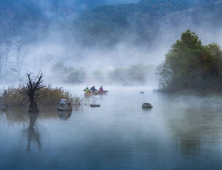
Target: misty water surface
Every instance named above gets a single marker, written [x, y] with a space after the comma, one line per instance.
[180, 132]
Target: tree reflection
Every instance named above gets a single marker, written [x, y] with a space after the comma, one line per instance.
[32, 133]
[194, 122]
[16, 117]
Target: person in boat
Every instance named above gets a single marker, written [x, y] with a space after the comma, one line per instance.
[93, 89]
[87, 90]
[101, 89]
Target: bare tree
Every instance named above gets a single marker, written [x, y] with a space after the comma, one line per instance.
[1, 58]
[43, 60]
[4, 50]
[60, 70]
[21, 52]
[32, 88]
[8, 47]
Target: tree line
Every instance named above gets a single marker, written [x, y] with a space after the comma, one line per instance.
[136, 74]
[68, 74]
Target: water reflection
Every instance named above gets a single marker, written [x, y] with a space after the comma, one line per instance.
[33, 132]
[195, 123]
[16, 116]
[118, 135]
[64, 115]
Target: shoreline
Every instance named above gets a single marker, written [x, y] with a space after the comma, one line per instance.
[190, 92]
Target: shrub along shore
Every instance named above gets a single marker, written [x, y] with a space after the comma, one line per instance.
[13, 98]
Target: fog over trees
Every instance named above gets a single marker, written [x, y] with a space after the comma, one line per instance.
[40, 35]
[12, 58]
[91, 21]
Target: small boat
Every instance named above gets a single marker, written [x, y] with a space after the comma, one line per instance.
[95, 93]
[87, 94]
[100, 92]
[103, 92]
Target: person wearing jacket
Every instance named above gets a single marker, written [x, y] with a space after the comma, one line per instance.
[87, 90]
[93, 89]
[101, 88]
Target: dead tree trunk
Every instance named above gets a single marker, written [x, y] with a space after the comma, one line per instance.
[32, 90]
[32, 104]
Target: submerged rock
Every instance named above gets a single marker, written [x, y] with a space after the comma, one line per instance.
[147, 105]
[95, 105]
[64, 105]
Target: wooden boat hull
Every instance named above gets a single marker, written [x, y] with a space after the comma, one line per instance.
[100, 93]
[87, 94]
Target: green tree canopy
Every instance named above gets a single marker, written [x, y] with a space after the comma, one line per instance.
[191, 65]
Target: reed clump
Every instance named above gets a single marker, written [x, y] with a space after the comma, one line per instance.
[12, 97]
[54, 95]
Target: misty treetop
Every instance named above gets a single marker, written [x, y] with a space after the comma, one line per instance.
[98, 75]
[12, 58]
[133, 75]
[68, 74]
[189, 65]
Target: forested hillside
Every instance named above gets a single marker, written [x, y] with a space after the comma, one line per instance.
[138, 23]
[91, 24]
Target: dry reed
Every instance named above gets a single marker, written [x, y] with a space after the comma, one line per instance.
[13, 98]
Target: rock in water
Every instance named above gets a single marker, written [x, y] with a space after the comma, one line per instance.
[94, 105]
[64, 105]
[147, 105]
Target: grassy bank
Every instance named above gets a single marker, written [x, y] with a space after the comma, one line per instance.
[13, 98]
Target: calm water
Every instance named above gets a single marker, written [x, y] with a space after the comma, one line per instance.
[180, 132]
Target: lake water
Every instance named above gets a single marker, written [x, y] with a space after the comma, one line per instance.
[180, 132]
